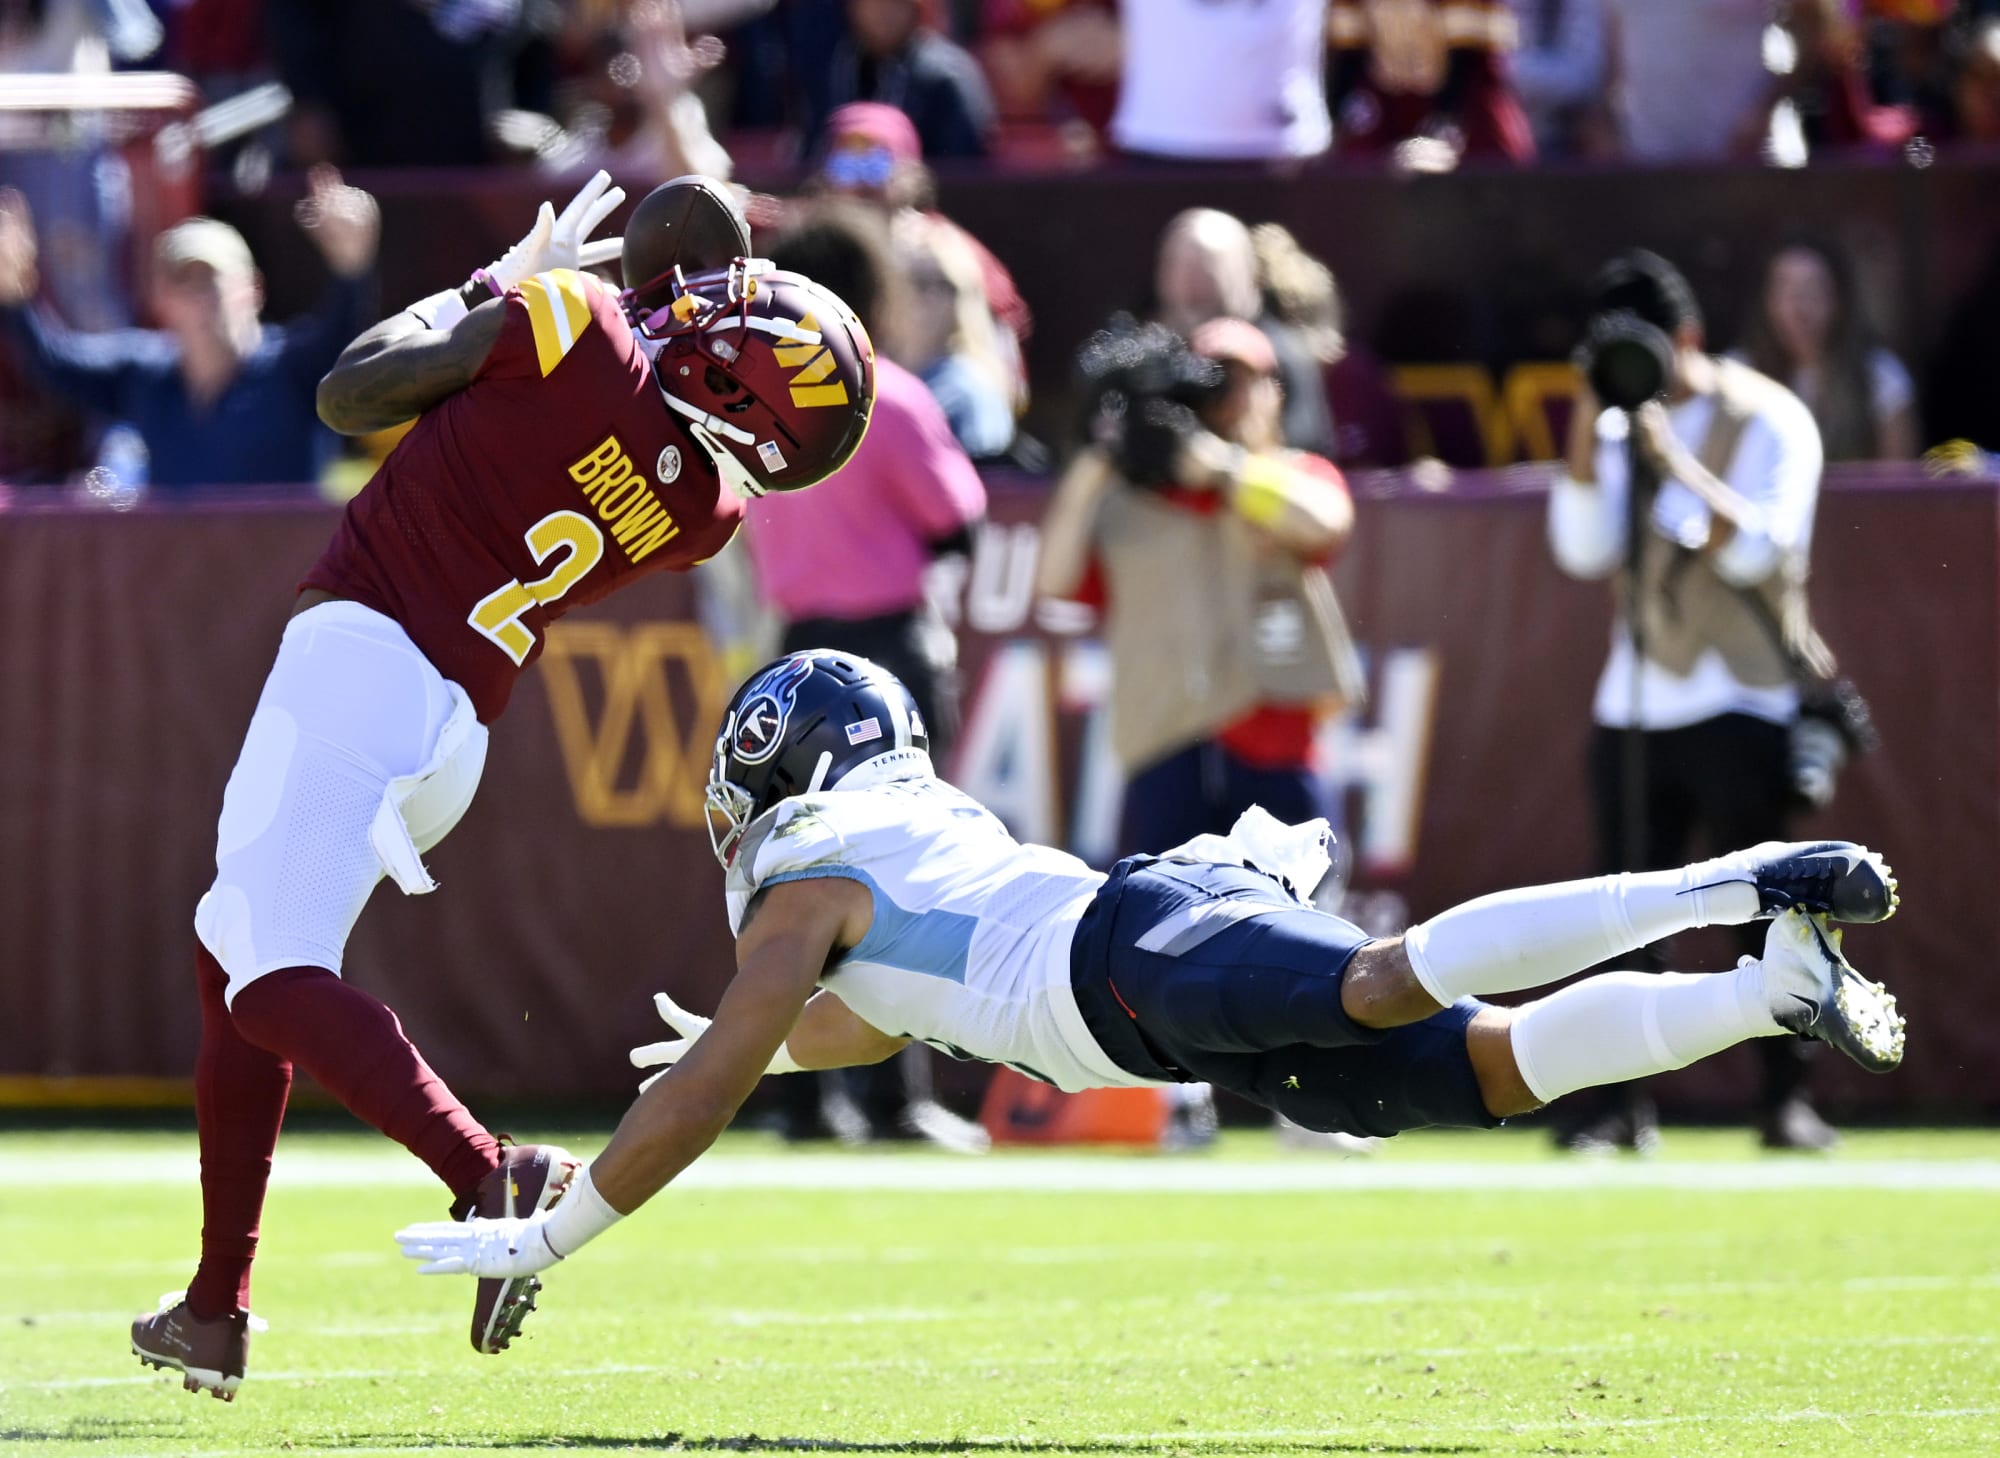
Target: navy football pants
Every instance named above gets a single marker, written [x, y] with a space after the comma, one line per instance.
[1207, 973]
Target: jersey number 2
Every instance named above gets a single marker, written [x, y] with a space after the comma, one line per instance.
[498, 614]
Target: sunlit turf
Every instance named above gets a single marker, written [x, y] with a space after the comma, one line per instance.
[1602, 1319]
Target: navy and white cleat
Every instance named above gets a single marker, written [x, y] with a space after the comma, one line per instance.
[1816, 992]
[1831, 878]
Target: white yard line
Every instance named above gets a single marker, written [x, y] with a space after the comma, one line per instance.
[1102, 1174]
[1380, 1355]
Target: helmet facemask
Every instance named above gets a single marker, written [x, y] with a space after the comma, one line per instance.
[730, 807]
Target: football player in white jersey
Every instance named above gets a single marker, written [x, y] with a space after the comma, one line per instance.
[874, 904]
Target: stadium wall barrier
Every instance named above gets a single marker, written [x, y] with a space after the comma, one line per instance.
[581, 880]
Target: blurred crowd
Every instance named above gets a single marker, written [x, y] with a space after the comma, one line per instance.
[863, 98]
[377, 83]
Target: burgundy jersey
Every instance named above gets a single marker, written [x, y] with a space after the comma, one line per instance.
[557, 476]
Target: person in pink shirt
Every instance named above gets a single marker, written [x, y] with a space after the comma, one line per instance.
[844, 569]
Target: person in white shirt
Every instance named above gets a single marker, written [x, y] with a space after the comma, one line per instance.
[1688, 79]
[873, 905]
[1223, 82]
[1709, 692]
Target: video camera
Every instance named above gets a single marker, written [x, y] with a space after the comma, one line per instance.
[1141, 385]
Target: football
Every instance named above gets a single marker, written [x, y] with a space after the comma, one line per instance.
[691, 223]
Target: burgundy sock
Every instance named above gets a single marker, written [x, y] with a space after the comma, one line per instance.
[239, 1102]
[354, 1046]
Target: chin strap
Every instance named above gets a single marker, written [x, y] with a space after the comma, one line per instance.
[705, 428]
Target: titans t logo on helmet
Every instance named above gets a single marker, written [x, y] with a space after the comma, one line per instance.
[759, 729]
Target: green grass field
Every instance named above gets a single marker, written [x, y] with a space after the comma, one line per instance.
[1455, 1294]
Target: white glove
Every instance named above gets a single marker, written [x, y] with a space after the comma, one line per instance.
[484, 1248]
[690, 1026]
[563, 242]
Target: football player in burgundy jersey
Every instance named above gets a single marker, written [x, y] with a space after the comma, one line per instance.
[568, 439]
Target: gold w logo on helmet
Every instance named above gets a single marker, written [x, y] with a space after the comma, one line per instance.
[814, 362]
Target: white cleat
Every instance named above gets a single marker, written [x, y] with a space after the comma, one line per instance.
[1816, 992]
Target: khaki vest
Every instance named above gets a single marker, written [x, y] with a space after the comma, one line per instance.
[1685, 607]
[1208, 620]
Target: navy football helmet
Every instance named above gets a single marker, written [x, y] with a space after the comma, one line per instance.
[801, 724]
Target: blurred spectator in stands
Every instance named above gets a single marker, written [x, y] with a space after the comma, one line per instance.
[1912, 52]
[391, 83]
[1053, 60]
[632, 107]
[844, 566]
[893, 55]
[1558, 70]
[1302, 298]
[1976, 87]
[1207, 269]
[1689, 82]
[217, 397]
[949, 337]
[1822, 98]
[71, 171]
[1205, 81]
[218, 43]
[779, 65]
[872, 155]
[1811, 332]
[76, 35]
[1961, 397]
[1425, 81]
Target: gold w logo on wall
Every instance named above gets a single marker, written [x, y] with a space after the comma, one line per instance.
[814, 363]
[635, 712]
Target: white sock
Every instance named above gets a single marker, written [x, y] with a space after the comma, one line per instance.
[1542, 934]
[1624, 1025]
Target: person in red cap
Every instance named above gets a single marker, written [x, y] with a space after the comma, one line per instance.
[872, 154]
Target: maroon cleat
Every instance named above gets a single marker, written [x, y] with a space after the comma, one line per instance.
[209, 1354]
[530, 1177]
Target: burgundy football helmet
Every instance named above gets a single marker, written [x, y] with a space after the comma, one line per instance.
[774, 375]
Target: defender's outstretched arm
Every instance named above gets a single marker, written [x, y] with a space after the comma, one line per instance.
[781, 951]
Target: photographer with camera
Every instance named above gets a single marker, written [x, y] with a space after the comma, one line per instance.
[1692, 482]
[1206, 542]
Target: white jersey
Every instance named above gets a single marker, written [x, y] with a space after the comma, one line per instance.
[1234, 81]
[969, 950]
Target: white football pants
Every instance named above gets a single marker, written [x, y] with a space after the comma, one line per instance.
[360, 757]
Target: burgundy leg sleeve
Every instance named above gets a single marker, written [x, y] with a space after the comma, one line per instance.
[239, 1102]
[355, 1048]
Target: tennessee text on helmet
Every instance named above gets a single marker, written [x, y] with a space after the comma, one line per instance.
[774, 375]
[804, 723]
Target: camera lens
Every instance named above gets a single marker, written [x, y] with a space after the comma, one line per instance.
[1627, 360]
